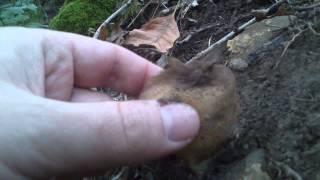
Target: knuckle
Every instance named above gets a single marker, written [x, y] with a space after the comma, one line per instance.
[140, 128]
[133, 128]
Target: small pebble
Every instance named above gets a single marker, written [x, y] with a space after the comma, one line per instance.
[238, 64]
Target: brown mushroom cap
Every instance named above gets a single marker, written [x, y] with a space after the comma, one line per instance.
[211, 91]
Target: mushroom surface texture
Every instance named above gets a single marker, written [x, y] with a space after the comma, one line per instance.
[211, 90]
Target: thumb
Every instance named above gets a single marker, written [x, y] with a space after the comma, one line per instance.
[96, 136]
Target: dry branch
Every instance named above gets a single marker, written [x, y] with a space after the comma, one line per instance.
[233, 33]
[289, 171]
[224, 39]
[141, 11]
[313, 30]
[190, 36]
[110, 18]
[304, 8]
[291, 41]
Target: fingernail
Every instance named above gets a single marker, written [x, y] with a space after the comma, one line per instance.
[181, 121]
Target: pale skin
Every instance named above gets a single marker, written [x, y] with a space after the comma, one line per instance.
[52, 125]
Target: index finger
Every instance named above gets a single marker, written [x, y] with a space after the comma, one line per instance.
[102, 64]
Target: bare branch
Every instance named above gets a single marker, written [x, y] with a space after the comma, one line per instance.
[110, 18]
[222, 40]
[289, 171]
[288, 45]
[232, 33]
[313, 30]
[304, 8]
[135, 18]
[187, 38]
[292, 41]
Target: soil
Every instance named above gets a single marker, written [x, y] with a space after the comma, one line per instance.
[280, 99]
[223, 16]
[281, 106]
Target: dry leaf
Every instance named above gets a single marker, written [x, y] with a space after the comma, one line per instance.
[160, 32]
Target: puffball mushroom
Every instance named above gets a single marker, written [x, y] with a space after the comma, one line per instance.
[210, 89]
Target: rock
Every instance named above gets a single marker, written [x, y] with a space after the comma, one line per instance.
[238, 64]
[256, 37]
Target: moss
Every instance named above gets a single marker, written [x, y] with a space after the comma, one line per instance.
[79, 15]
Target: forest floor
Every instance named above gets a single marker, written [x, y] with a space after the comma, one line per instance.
[280, 102]
[279, 124]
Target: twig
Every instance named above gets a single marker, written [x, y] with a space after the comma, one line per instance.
[135, 18]
[195, 32]
[110, 18]
[289, 171]
[184, 12]
[210, 39]
[288, 45]
[291, 41]
[168, 10]
[305, 100]
[232, 33]
[304, 8]
[222, 40]
[313, 30]
[120, 173]
[179, 4]
[269, 12]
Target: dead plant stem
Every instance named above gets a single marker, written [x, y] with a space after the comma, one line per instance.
[231, 34]
[110, 18]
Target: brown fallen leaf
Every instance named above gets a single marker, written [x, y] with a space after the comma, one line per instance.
[160, 32]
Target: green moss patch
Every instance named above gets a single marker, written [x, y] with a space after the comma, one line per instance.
[78, 16]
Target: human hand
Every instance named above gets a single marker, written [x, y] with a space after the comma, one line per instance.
[51, 125]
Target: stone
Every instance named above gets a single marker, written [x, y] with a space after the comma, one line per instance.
[238, 64]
